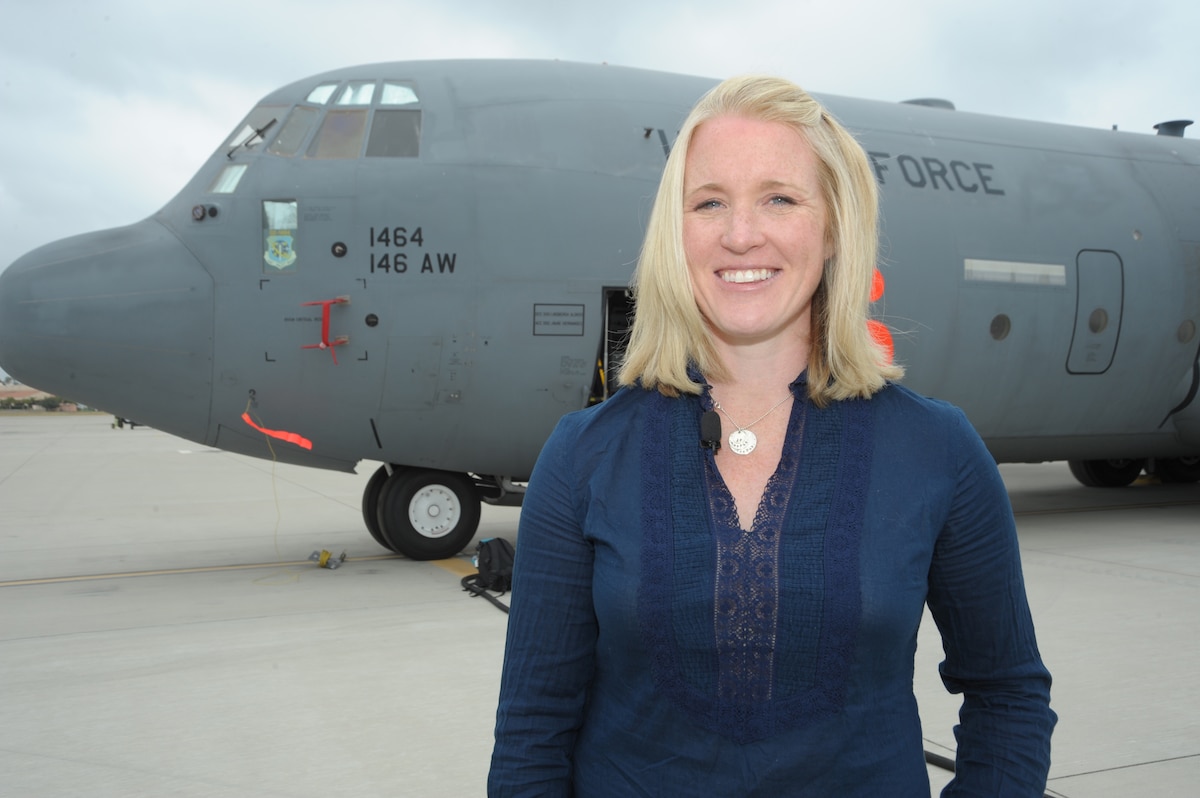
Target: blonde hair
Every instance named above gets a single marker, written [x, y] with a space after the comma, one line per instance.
[669, 332]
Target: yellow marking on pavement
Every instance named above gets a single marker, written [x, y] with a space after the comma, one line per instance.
[457, 566]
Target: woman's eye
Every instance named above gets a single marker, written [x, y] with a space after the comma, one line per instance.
[778, 200]
[708, 205]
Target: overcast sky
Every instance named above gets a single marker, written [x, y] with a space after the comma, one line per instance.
[108, 106]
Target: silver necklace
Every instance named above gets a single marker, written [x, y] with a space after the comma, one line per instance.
[742, 440]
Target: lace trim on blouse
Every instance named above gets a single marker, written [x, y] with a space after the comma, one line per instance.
[747, 578]
[752, 632]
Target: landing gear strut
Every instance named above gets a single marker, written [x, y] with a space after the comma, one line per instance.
[1178, 469]
[421, 513]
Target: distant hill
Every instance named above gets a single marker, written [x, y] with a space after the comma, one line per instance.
[18, 391]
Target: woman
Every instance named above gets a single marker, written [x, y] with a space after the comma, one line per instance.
[742, 620]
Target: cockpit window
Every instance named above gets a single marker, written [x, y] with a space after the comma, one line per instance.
[340, 136]
[386, 114]
[294, 131]
[357, 92]
[280, 222]
[395, 134]
[321, 94]
[227, 181]
[256, 127]
[397, 94]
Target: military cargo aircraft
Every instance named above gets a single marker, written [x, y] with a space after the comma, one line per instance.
[426, 264]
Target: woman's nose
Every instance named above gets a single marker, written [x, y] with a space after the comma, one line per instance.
[743, 230]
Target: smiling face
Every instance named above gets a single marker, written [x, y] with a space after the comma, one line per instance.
[754, 230]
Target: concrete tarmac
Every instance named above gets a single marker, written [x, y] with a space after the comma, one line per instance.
[162, 631]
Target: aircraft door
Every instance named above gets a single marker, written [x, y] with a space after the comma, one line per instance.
[618, 317]
[1099, 301]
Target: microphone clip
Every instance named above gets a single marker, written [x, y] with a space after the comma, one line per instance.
[710, 431]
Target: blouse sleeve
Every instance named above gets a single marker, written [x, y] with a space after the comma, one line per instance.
[977, 597]
[549, 654]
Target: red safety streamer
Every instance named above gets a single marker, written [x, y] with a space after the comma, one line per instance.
[290, 437]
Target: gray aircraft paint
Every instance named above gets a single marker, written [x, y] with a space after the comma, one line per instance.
[1044, 278]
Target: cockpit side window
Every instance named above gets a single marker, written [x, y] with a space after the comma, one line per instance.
[258, 126]
[227, 181]
[395, 134]
[280, 222]
[294, 131]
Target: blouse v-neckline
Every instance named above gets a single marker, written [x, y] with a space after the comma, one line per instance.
[753, 632]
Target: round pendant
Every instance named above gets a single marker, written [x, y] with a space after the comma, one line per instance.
[742, 441]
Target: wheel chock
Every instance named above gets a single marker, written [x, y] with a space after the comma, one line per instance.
[325, 559]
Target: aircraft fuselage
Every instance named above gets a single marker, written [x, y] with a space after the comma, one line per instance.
[424, 264]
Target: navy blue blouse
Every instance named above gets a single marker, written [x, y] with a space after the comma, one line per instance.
[656, 648]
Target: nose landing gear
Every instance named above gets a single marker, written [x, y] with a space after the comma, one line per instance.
[423, 514]
[1119, 473]
[1106, 473]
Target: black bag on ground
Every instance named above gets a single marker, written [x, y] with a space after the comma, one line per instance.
[494, 559]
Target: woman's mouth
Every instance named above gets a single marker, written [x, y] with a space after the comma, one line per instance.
[747, 275]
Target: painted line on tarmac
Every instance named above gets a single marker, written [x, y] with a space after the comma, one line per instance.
[1162, 505]
[53, 580]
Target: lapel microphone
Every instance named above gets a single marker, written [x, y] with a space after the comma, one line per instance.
[710, 431]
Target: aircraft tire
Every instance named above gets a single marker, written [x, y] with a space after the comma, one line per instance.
[370, 504]
[1106, 473]
[428, 515]
[1179, 469]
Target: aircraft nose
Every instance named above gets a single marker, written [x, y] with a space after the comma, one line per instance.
[119, 320]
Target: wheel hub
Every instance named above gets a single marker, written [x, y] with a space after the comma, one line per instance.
[434, 511]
